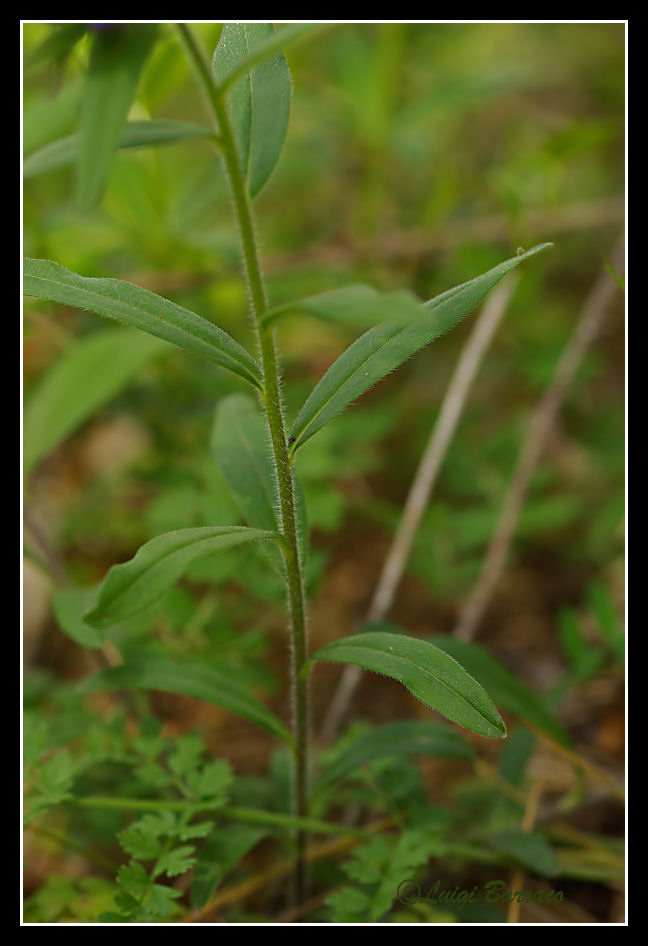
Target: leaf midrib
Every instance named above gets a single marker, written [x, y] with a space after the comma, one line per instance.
[129, 584]
[427, 671]
[93, 293]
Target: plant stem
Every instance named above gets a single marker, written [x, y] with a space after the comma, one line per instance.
[272, 819]
[272, 404]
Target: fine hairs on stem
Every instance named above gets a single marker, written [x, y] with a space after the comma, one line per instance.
[271, 399]
[185, 811]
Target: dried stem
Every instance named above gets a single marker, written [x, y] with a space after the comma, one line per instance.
[540, 426]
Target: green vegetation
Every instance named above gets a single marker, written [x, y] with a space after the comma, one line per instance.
[276, 217]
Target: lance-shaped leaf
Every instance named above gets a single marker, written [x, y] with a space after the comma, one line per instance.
[258, 101]
[430, 674]
[190, 679]
[270, 45]
[142, 309]
[132, 587]
[92, 371]
[135, 134]
[410, 737]
[116, 61]
[357, 304]
[507, 690]
[241, 447]
[386, 346]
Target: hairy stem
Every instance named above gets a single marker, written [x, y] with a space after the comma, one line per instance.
[273, 407]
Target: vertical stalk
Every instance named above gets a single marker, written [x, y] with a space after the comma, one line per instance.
[272, 403]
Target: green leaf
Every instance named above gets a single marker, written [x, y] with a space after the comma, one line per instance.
[133, 879]
[357, 304]
[386, 346]
[430, 674]
[176, 862]
[527, 848]
[412, 849]
[70, 605]
[606, 612]
[136, 134]
[139, 844]
[241, 447]
[505, 689]
[187, 754]
[258, 101]
[116, 61]
[348, 905]
[583, 658]
[159, 901]
[132, 587]
[58, 45]
[190, 679]
[141, 309]
[219, 855]
[274, 42]
[211, 781]
[406, 737]
[84, 378]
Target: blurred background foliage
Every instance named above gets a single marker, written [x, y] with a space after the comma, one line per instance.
[418, 155]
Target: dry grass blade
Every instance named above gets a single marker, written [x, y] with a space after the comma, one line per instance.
[541, 424]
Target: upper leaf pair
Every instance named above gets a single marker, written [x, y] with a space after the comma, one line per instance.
[249, 67]
[404, 328]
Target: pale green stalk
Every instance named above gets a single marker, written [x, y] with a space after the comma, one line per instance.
[272, 403]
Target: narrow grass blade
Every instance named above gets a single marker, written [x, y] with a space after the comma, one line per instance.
[429, 673]
[142, 309]
[258, 100]
[85, 377]
[386, 346]
[132, 587]
[136, 134]
[508, 691]
[116, 61]
[190, 679]
[402, 738]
